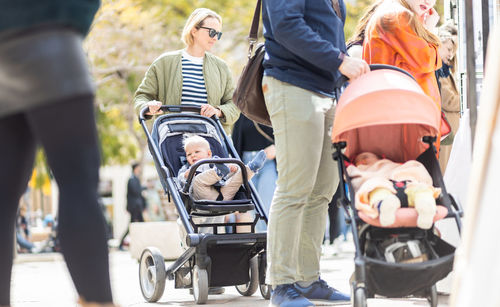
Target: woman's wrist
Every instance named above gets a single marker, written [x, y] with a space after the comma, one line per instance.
[220, 113]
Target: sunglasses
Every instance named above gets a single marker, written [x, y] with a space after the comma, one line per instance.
[212, 32]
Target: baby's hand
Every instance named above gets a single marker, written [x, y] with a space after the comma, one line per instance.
[186, 174]
[233, 168]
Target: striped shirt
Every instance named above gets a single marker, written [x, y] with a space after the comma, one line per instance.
[193, 82]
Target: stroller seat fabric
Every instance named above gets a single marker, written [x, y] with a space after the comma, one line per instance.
[170, 135]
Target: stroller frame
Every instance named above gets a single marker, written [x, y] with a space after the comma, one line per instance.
[361, 282]
[196, 261]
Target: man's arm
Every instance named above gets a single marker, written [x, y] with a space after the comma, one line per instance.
[290, 30]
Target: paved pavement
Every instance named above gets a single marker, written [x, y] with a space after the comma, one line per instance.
[43, 280]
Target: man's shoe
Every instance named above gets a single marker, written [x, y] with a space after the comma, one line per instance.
[287, 296]
[320, 291]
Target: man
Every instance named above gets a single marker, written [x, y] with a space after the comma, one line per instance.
[305, 55]
[136, 203]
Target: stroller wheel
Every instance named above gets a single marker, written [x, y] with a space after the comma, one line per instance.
[265, 291]
[432, 296]
[200, 285]
[152, 274]
[251, 287]
[359, 297]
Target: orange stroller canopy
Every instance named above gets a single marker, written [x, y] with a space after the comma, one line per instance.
[385, 112]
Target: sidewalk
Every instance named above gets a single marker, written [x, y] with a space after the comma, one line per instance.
[43, 281]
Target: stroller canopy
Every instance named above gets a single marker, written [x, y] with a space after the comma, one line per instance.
[385, 112]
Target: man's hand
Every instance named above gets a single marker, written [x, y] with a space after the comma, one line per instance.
[352, 68]
[270, 152]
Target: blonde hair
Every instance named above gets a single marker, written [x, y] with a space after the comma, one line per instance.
[358, 36]
[196, 20]
[448, 32]
[195, 140]
[387, 24]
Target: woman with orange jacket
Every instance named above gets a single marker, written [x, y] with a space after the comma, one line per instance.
[400, 34]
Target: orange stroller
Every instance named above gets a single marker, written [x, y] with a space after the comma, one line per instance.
[386, 112]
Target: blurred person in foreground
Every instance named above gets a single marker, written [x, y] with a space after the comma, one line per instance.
[46, 100]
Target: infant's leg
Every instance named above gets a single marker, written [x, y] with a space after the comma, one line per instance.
[234, 183]
[422, 198]
[387, 204]
[203, 185]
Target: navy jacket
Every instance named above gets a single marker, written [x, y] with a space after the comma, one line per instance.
[305, 43]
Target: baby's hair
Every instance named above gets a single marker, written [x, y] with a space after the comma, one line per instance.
[195, 140]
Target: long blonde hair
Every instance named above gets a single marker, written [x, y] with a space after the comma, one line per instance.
[416, 25]
[358, 36]
[448, 32]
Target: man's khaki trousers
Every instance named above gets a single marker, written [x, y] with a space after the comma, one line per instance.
[307, 178]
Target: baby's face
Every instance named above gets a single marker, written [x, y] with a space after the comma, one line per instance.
[365, 158]
[196, 152]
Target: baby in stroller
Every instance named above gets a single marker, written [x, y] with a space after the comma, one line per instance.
[212, 178]
[378, 183]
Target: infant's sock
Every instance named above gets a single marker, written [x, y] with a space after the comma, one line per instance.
[387, 209]
[257, 162]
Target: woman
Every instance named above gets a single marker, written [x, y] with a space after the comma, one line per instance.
[249, 138]
[400, 34]
[449, 92]
[47, 100]
[192, 75]
[355, 43]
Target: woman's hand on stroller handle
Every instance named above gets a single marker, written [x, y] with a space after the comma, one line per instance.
[209, 111]
[154, 107]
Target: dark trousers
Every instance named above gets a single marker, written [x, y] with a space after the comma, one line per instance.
[333, 211]
[67, 133]
[135, 216]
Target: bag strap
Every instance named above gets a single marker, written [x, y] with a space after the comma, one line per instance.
[336, 8]
[264, 134]
[254, 28]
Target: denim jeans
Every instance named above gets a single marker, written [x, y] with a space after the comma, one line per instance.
[265, 183]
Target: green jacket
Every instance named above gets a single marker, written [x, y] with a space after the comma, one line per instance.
[163, 82]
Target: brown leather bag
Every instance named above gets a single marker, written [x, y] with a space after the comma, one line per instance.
[248, 95]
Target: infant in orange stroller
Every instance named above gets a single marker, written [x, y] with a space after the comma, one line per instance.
[383, 186]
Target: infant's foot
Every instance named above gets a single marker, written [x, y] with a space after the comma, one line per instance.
[257, 162]
[425, 204]
[387, 209]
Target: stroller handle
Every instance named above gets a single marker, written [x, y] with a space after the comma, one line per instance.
[343, 79]
[170, 109]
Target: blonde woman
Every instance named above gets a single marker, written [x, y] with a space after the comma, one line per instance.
[449, 92]
[192, 75]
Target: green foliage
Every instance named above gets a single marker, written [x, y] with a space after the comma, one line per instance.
[354, 13]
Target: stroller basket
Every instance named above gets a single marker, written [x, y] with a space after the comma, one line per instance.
[403, 279]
